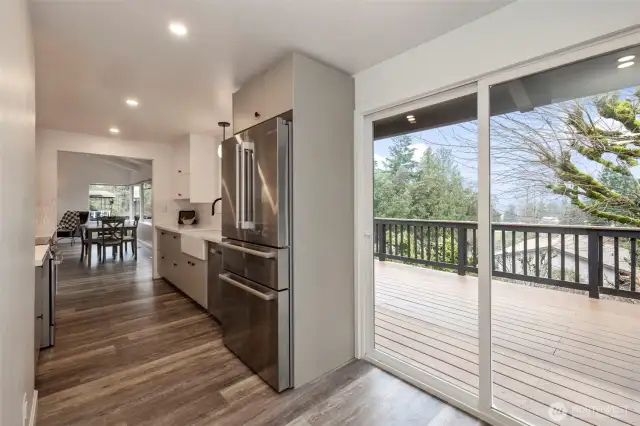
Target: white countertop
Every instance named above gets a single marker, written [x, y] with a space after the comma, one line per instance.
[196, 231]
[40, 253]
[211, 235]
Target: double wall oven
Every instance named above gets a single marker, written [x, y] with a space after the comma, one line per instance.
[255, 283]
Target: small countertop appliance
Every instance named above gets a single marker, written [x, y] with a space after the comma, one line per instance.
[187, 217]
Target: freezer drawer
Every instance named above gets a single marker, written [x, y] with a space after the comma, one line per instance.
[214, 298]
[264, 265]
[255, 324]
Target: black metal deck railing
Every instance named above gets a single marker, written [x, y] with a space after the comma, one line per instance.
[590, 258]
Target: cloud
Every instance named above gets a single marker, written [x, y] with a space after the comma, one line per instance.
[420, 148]
[609, 124]
[380, 159]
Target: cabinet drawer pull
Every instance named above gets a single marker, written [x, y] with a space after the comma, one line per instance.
[256, 114]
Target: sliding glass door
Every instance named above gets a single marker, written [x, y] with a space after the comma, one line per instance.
[497, 240]
[565, 145]
[424, 310]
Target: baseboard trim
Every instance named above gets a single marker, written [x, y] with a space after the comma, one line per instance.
[34, 409]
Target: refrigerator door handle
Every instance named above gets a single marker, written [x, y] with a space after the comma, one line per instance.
[239, 186]
[248, 207]
[263, 296]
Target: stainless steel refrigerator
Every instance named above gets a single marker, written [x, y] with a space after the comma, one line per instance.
[255, 284]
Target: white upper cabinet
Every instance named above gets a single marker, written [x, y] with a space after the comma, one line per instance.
[181, 186]
[248, 104]
[264, 96]
[204, 179]
[196, 169]
[278, 89]
[181, 157]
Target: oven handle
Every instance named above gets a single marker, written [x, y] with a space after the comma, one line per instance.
[246, 288]
[264, 255]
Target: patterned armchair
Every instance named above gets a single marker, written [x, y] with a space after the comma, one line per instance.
[68, 225]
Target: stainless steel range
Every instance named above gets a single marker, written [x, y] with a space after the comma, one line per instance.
[47, 284]
[255, 284]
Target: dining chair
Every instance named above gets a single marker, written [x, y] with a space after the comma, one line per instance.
[130, 237]
[112, 231]
[85, 243]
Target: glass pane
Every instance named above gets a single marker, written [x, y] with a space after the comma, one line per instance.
[565, 146]
[147, 207]
[425, 207]
[109, 200]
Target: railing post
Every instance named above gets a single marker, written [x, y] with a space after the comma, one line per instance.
[593, 258]
[382, 239]
[462, 250]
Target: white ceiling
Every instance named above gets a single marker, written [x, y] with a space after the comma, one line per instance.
[92, 54]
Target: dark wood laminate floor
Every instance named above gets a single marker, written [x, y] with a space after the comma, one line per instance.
[134, 351]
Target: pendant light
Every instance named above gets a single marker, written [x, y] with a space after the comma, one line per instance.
[224, 125]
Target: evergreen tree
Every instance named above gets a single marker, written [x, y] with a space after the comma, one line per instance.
[617, 150]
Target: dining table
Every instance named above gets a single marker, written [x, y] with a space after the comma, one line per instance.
[95, 227]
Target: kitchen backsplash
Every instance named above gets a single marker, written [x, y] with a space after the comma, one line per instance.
[203, 213]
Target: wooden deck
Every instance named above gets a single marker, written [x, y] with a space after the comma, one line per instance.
[548, 346]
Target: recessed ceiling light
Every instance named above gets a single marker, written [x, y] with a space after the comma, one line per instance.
[626, 58]
[178, 28]
[132, 102]
[114, 130]
[626, 64]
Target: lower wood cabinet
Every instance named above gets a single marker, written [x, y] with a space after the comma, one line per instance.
[187, 273]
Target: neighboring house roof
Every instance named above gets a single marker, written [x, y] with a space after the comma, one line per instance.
[624, 256]
[98, 193]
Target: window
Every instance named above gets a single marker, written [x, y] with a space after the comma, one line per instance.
[136, 200]
[121, 200]
[109, 200]
[147, 200]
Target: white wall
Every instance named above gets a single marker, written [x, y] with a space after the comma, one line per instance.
[50, 142]
[145, 233]
[77, 171]
[17, 203]
[143, 174]
[519, 32]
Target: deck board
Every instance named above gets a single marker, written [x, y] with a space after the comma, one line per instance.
[549, 346]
